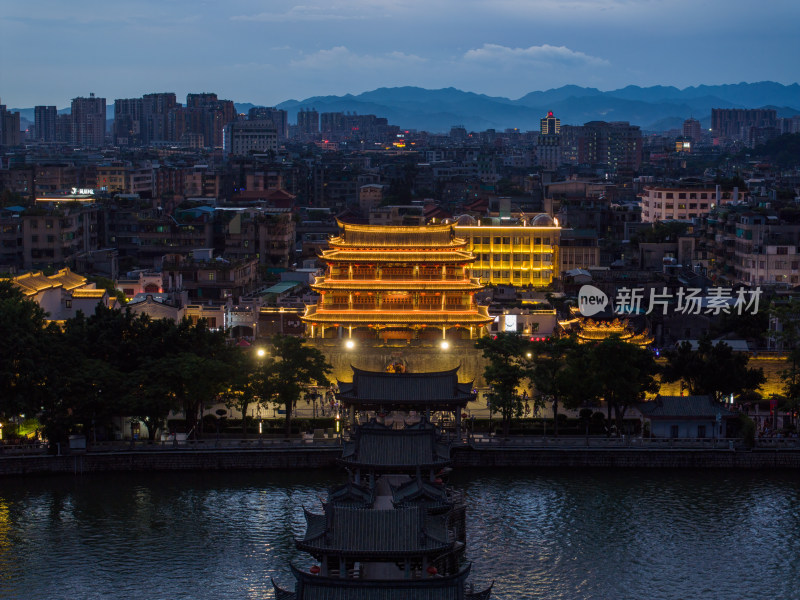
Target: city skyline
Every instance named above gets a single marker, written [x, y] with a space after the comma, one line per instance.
[51, 52]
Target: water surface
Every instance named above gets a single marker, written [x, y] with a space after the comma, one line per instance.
[602, 534]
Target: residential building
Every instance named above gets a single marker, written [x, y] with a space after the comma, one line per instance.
[692, 130]
[734, 124]
[10, 134]
[617, 144]
[58, 229]
[245, 137]
[307, 123]
[88, 119]
[279, 118]
[743, 246]
[208, 278]
[45, 119]
[669, 203]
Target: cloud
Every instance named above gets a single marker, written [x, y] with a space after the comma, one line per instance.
[341, 56]
[545, 54]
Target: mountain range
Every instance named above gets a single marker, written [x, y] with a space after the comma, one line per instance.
[654, 109]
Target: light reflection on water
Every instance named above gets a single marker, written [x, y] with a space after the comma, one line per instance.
[538, 534]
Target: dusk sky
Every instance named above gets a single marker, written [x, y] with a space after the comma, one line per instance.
[266, 52]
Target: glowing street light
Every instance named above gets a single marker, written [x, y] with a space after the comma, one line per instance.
[349, 344]
[445, 345]
[261, 353]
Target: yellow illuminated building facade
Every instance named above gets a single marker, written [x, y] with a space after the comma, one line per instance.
[525, 253]
[397, 282]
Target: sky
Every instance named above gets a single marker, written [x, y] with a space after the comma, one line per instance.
[269, 51]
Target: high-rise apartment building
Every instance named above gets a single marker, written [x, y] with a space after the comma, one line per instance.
[205, 114]
[9, 127]
[127, 128]
[308, 122]
[279, 118]
[735, 123]
[88, 121]
[550, 125]
[618, 145]
[243, 137]
[692, 130]
[155, 111]
[45, 118]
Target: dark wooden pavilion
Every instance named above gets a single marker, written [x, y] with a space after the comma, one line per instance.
[438, 391]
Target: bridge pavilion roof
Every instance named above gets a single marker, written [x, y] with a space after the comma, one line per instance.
[379, 448]
[371, 390]
[365, 534]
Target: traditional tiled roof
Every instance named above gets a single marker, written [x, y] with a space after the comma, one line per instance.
[411, 285]
[316, 587]
[33, 283]
[381, 388]
[88, 293]
[397, 236]
[395, 256]
[399, 318]
[351, 494]
[420, 492]
[68, 279]
[687, 407]
[378, 447]
[366, 533]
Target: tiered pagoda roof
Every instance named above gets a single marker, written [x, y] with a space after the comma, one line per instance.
[432, 496]
[373, 390]
[414, 263]
[379, 448]
[365, 534]
[398, 318]
[352, 494]
[398, 535]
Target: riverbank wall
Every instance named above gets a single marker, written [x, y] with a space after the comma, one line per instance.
[463, 457]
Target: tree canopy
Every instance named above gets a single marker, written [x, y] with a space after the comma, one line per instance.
[712, 369]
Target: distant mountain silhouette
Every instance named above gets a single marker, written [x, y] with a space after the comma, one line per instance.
[655, 108]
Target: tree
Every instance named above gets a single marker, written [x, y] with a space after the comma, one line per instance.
[27, 340]
[281, 379]
[788, 317]
[508, 367]
[151, 393]
[247, 380]
[624, 373]
[551, 375]
[712, 369]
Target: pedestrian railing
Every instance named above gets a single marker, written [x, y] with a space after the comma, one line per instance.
[577, 442]
[212, 443]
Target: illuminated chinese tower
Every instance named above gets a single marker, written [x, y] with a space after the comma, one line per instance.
[397, 282]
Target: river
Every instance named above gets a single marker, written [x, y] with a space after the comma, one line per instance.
[557, 535]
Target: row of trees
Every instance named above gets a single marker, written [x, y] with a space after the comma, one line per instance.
[563, 372]
[76, 377]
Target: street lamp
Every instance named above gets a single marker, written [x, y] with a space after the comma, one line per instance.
[261, 353]
[445, 345]
[349, 344]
